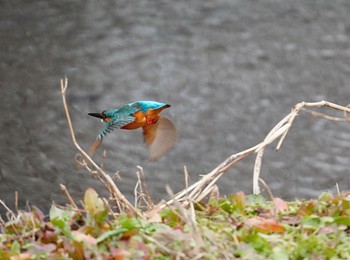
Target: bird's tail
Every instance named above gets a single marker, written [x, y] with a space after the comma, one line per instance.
[160, 137]
[79, 158]
[94, 146]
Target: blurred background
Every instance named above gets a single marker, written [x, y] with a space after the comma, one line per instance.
[230, 69]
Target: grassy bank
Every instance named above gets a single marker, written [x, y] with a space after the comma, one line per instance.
[239, 226]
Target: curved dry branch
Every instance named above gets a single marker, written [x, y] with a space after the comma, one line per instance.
[105, 178]
[203, 187]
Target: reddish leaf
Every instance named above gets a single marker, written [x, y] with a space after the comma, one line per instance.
[153, 215]
[211, 209]
[118, 253]
[129, 234]
[43, 248]
[38, 214]
[144, 248]
[49, 237]
[81, 237]
[265, 225]
[306, 208]
[280, 205]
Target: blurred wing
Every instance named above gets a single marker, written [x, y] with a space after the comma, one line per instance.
[160, 137]
[122, 117]
[118, 121]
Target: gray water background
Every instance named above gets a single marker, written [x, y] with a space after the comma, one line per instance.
[230, 69]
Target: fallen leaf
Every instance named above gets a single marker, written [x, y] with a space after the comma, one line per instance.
[81, 237]
[153, 215]
[265, 225]
[43, 248]
[128, 234]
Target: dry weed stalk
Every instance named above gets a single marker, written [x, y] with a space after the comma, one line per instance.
[105, 178]
[69, 197]
[203, 187]
[141, 193]
[146, 196]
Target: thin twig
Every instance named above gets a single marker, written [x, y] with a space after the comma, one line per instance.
[148, 199]
[70, 199]
[337, 186]
[324, 116]
[13, 215]
[267, 188]
[16, 201]
[186, 177]
[256, 172]
[136, 192]
[140, 194]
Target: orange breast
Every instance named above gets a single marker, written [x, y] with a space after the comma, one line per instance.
[140, 118]
[140, 121]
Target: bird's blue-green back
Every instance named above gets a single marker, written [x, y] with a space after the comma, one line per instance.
[131, 108]
[145, 105]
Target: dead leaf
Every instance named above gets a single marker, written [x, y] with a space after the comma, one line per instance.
[265, 225]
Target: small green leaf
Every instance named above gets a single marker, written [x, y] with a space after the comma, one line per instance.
[256, 199]
[63, 226]
[110, 234]
[101, 216]
[95, 206]
[170, 217]
[61, 214]
[258, 243]
[227, 206]
[90, 200]
[325, 197]
[130, 223]
[311, 221]
[16, 248]
[327, 220]
[342, 220]
[279, 253]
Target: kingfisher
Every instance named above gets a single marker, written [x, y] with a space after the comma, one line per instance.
[159, 133]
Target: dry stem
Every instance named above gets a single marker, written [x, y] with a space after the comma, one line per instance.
[69, 197]
[202, 188]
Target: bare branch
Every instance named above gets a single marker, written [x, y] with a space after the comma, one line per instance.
[106, 179]
[202, 188]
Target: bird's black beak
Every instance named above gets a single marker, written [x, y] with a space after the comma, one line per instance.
[98, 115]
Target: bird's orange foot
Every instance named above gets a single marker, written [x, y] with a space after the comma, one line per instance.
[151, 121]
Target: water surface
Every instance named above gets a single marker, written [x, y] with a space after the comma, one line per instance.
[230, 69]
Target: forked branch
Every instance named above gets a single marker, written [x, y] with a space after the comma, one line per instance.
[203, 187]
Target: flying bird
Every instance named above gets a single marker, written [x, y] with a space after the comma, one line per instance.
[159, 132]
